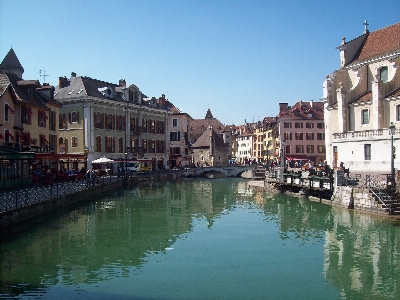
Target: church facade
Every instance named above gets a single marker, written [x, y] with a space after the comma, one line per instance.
[362, 99]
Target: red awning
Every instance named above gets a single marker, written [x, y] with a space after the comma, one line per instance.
[44, 139]
[11, 110]
[9, 134]
[18, 134]
[1, 136]
[43, 114]
[28, 135]
[297, 157]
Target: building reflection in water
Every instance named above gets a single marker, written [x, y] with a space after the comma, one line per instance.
[112, 237]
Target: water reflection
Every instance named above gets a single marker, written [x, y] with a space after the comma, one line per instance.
[114, 236]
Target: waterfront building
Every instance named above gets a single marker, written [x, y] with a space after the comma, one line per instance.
[211, 150]
[302, 131]
[258, 142]
[270, 125]
[361, 99]
[198, 126]
[29, 110]
[244, 147]
[180, 148]
[113, 120]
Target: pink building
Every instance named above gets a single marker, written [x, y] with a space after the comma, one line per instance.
[302, 131]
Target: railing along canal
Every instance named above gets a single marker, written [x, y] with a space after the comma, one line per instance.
[16, 199]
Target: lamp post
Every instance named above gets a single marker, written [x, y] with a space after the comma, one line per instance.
[392, 129]
[126, 164]
[283, 153]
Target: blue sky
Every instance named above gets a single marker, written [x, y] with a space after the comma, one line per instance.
[238, 58]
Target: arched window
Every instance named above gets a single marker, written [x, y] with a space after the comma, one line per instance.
[383, 74]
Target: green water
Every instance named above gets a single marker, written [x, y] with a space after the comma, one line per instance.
[204, 239]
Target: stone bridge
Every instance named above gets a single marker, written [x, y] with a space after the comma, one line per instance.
[217, 172]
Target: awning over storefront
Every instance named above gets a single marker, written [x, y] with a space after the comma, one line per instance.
[297, 157]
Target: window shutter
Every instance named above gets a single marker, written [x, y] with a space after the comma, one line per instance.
[94, 120]
[103, 121]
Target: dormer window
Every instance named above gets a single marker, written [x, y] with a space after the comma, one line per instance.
[383, 74]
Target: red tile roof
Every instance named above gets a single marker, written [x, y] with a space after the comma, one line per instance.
[378, 43]
[303, 111]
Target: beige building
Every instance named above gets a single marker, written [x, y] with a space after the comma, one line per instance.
[361, 99]
[180, 150]
[29, 111]
[112, 120]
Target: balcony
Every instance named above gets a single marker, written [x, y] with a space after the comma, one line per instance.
[365, 134]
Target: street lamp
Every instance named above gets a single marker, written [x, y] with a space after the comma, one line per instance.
[126, 164]
[392, 129]
[283, 153]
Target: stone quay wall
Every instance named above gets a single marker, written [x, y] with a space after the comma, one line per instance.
[356, 198]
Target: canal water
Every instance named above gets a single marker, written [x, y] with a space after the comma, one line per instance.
[203, 239]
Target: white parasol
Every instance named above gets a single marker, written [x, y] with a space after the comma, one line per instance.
[102, 160]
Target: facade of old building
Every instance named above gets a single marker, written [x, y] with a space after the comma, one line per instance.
[362, 99]
[302, 131]
[211, 150]
[29, 110]
[112, 120]
[270, 126]
[180, 148]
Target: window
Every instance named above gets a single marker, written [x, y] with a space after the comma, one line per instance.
[97, 120]
[287, 125]
[309, 136]
[321, 148]
[320, 125]
[383, 74]
[144, 146]
[398, 112]
[299, 136]
[110, 143]
[364, 116]
[109, 121]
[174, 122]
[52, 121]
[310, 148]
[42, 118]
[321, 136]
[367, 151]
[74, 141]
[174, 136]
[6, 116]
[26, 113]
[309, 125]
[74, 117]
[120, 145]
[175, 150]
[287, 149]
[288, 136]
[299, 149]
[298, 125]
[98, 144]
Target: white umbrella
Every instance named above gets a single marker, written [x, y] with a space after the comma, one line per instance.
[102, 160]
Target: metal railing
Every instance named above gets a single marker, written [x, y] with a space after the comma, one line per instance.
[16, 199]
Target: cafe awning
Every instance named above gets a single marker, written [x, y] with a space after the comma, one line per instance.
[297, 157]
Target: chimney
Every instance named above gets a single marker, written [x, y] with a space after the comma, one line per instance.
[62, 81]
[122, 82]
[73, 74]
[311, 103]
[283, 106]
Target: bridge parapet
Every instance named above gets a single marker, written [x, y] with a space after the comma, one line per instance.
[228, 170]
